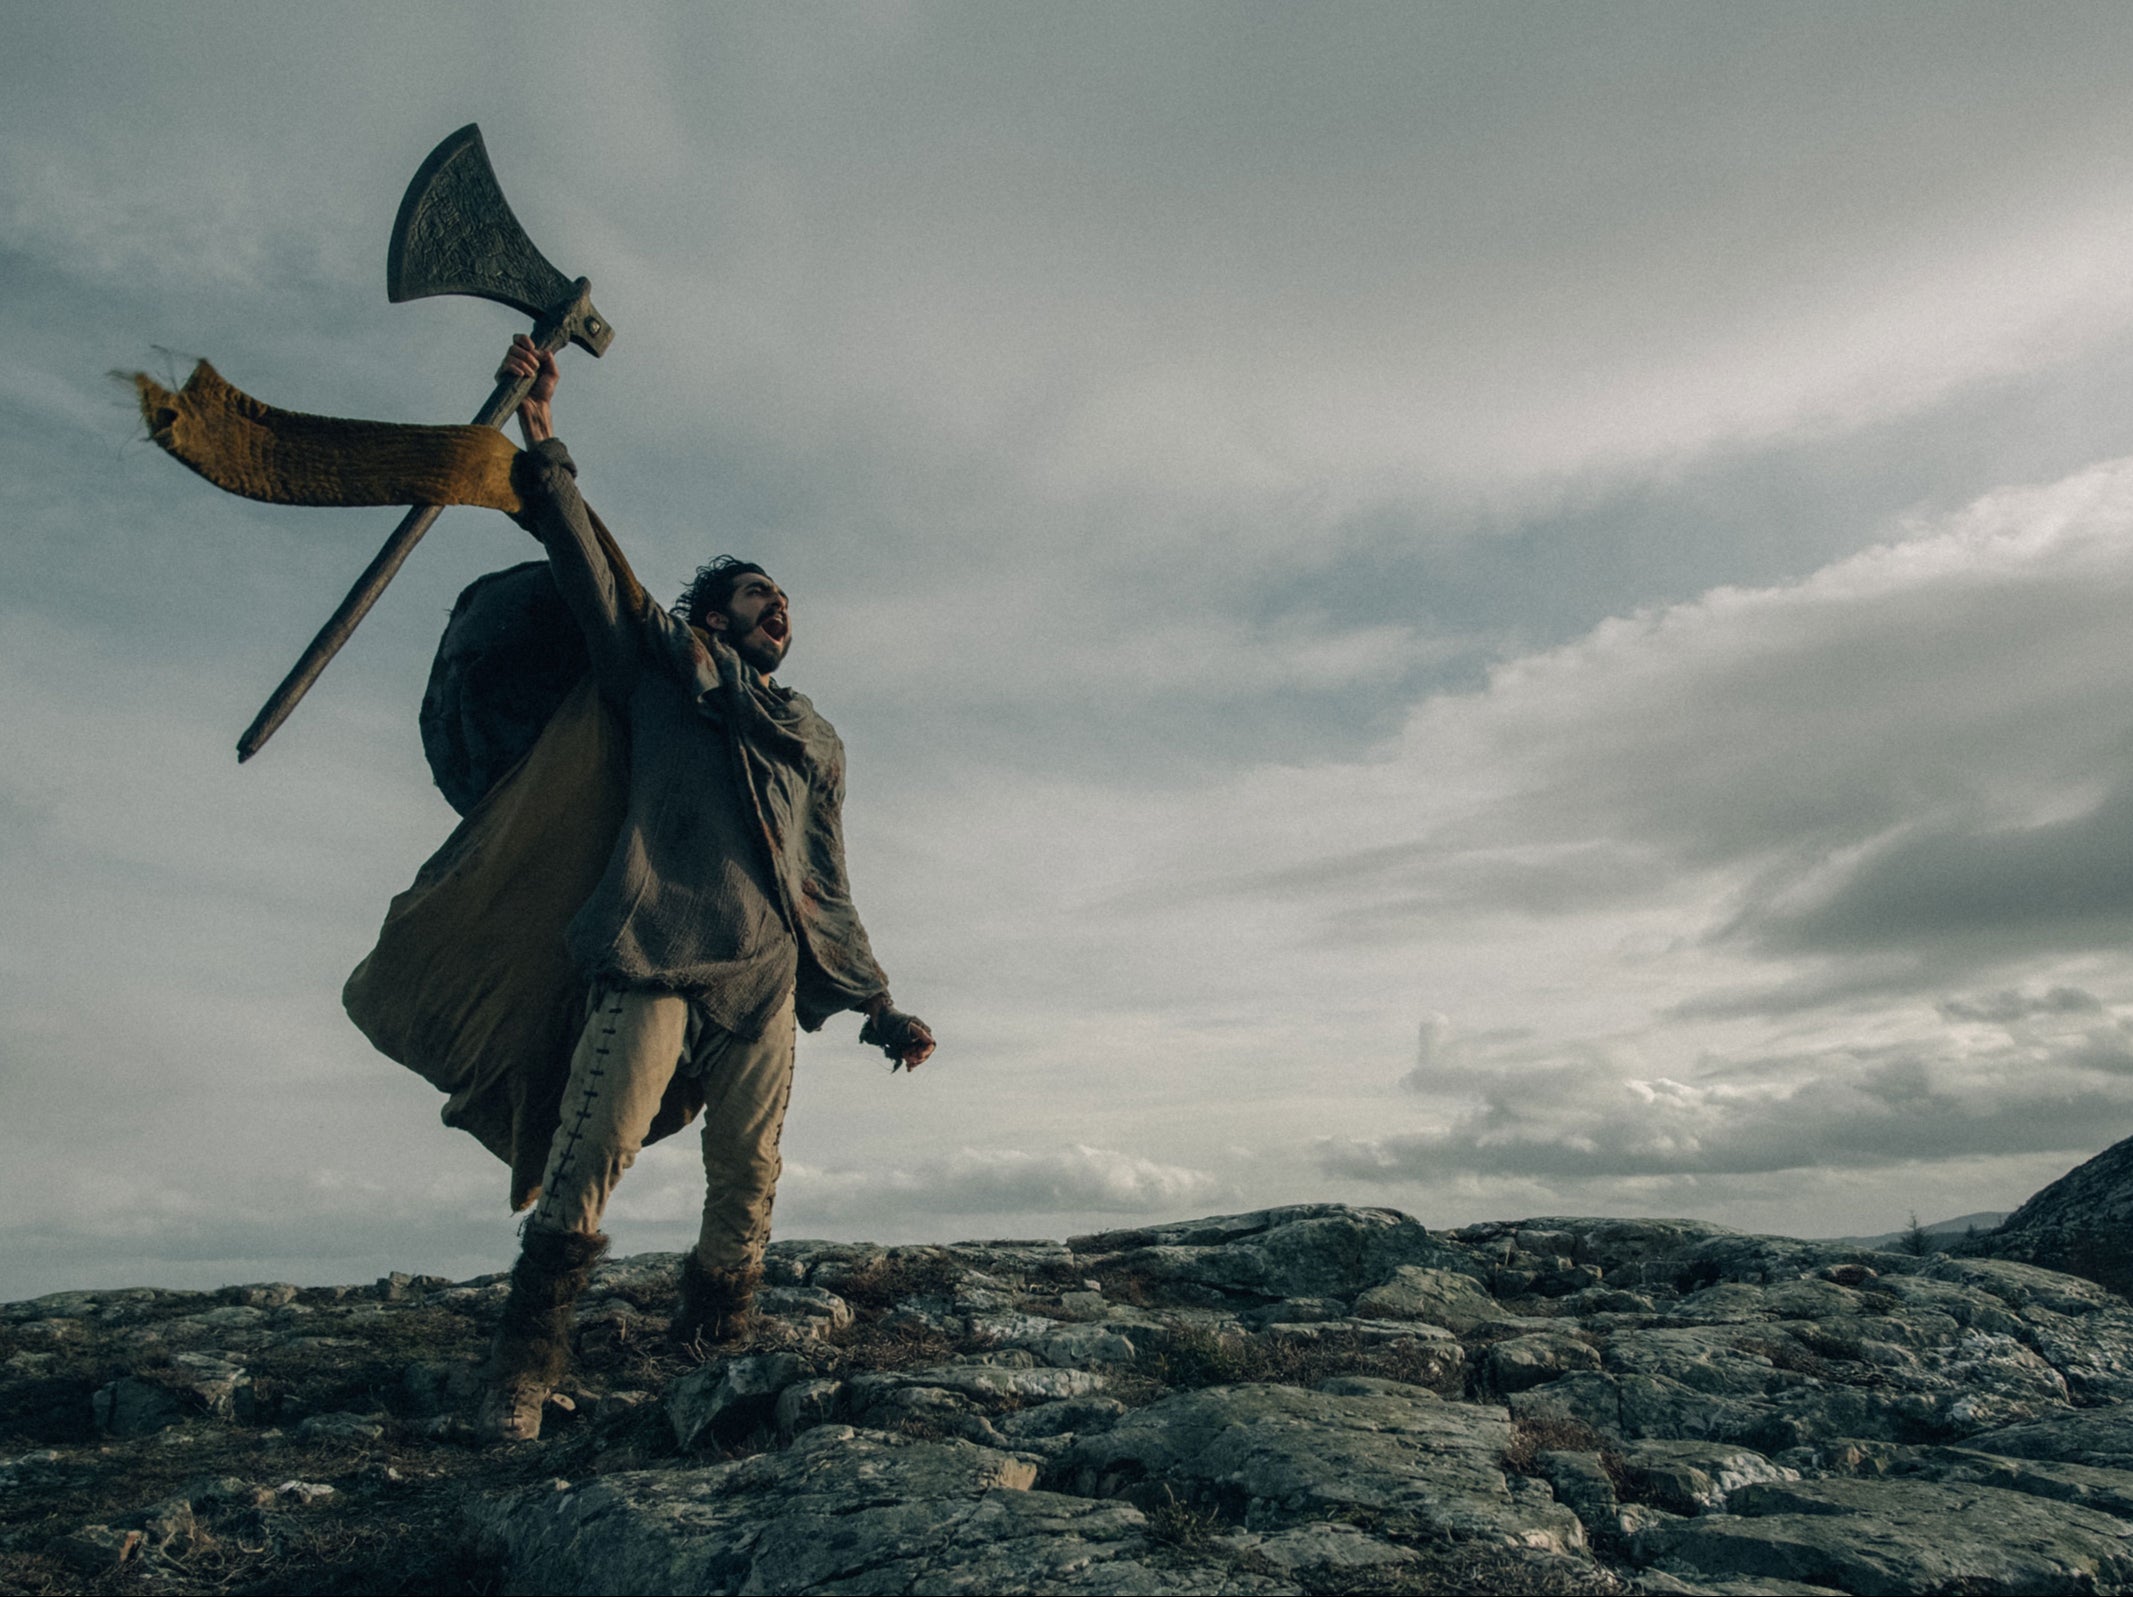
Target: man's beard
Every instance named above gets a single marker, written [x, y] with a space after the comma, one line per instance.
[760, 650]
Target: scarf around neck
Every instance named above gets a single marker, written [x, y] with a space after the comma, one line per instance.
[726, 690]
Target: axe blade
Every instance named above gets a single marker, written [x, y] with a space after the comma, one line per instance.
[456, 234]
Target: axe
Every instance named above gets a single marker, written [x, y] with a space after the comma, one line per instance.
[454, 235]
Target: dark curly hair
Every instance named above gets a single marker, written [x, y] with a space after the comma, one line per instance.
[711, 589]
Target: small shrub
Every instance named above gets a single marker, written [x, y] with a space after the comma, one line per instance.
[867, 1344]
[1173, 1523]
[1193, 1357]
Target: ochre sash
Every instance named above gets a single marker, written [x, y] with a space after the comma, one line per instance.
[287, 458]
[284, 457]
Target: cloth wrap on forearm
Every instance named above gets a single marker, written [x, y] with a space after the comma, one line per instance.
[285, 457]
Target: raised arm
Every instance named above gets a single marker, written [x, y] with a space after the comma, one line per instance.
[555, 513]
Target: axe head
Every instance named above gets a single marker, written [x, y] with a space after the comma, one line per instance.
[456, 235]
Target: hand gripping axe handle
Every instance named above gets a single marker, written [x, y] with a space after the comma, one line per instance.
[455, 235]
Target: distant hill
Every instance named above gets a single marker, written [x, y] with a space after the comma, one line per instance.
[1961, 1226]
[2078, 1224]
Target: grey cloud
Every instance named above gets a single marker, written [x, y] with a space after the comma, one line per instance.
[1837, 1109]
[1826, 988]
[1375, 898]
[1452, 1060]
[2105, 1053]
[1858, 983]
[1877, 763]
[2010, 1005]
[1817, 721]
[2064, 885]
[1391, 886]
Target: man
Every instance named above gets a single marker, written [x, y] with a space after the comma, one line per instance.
[723, 920]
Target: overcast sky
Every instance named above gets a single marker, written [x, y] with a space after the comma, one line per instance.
[1493, 609]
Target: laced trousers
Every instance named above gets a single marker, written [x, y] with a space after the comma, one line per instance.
[632, 1045]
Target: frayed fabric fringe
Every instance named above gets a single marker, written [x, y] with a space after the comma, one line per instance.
[284, 457]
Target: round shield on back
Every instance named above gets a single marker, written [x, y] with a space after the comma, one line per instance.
[510, 653]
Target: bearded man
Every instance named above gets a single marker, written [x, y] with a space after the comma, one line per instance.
[722, 921]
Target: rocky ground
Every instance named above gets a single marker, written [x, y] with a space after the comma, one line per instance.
[1314, 1399]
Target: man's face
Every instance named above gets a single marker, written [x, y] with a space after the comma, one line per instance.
[757, 621]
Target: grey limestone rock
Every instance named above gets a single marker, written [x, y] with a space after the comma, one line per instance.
[1898, 1536]
[1063, 1417]
[1518, 1362]
[647, 1278]
[1436, 1296]
[129, 1407]
[1090, 1345]
[2100, 1437]
[1293, 1311]
[805, 1404]
[436, 1387]
[840, 1511]
[982, 1382]
[1582, 1484]
[1303, 1251]
[1327, 1552]
[720, 1400]
[1909, 1350]
[1278, 1456]
[2107, 1490]
[810, 1310]
[187, 1385]
[1695, 1477]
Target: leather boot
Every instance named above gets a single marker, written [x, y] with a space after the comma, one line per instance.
[716, 1305]
[532, 1347]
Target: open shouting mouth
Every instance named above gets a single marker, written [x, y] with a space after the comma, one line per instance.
[776, 627]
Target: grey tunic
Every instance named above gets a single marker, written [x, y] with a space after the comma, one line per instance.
[727, 881]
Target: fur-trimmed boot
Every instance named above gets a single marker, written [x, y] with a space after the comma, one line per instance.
[532, 1347]
[716, 1305]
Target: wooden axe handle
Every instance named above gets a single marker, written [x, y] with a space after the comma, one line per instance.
[508, 394]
